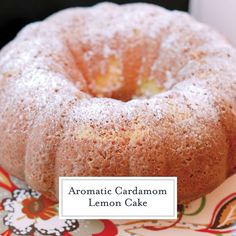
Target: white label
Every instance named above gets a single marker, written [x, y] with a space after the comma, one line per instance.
[118, 197]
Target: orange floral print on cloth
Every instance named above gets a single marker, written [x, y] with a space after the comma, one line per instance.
[223, 221]
[39, 208]
[214, 214]
[28, 212]
[224, 217]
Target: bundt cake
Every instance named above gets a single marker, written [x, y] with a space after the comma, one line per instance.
[131, 90]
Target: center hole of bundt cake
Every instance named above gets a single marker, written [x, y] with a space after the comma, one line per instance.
[113, 80]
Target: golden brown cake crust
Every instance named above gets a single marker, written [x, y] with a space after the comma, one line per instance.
[70, 106]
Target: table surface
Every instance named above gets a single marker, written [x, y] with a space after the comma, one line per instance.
[26, 212]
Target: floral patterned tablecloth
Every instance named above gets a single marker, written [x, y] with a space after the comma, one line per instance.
[26, 212]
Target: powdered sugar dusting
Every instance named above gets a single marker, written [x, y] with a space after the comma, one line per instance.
[52, 123]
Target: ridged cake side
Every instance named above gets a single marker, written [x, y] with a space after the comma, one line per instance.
[69, 106]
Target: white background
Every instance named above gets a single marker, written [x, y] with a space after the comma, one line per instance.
[220, 14]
